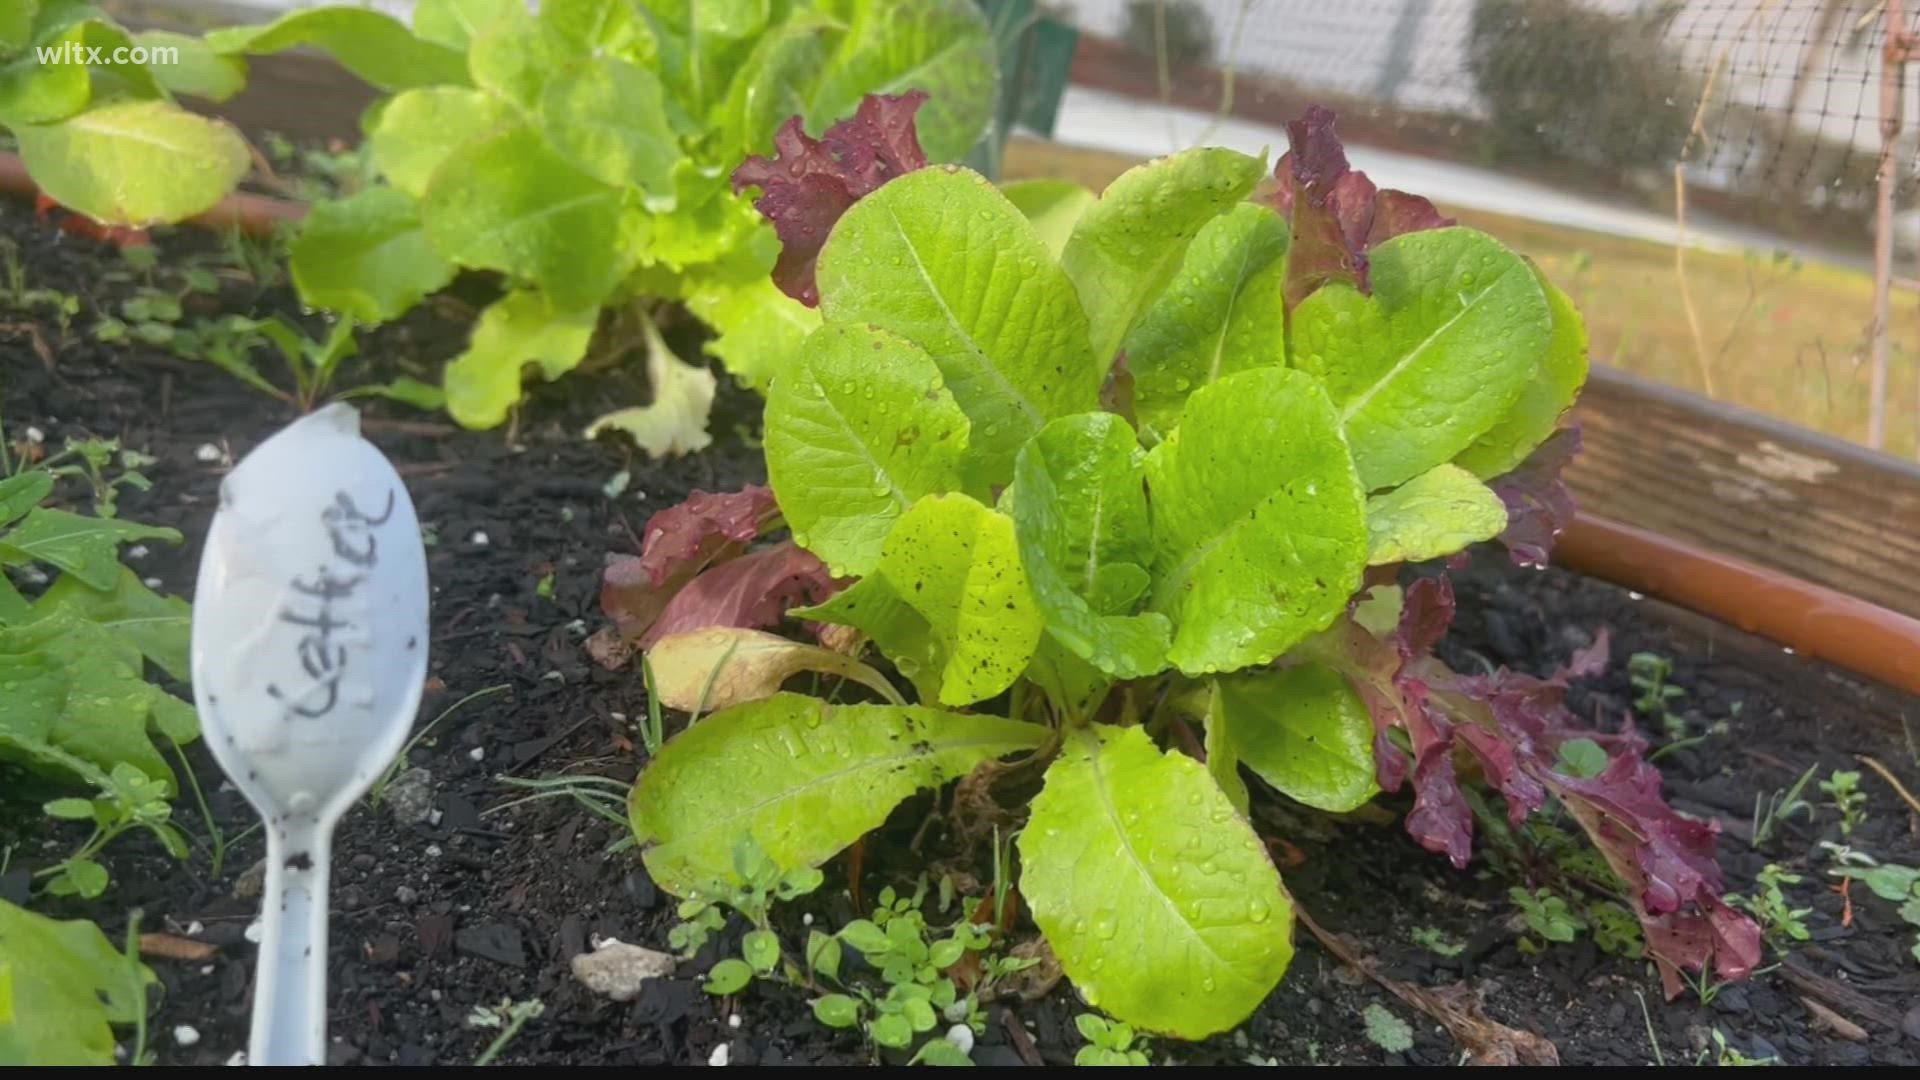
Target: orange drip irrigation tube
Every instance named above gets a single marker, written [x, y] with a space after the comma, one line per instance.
[1812, 620]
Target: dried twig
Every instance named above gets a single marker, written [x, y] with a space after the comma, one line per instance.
[1892, 780]
[169, 947]
[1455, 1007]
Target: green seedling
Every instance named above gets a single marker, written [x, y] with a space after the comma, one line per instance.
[1648, 673]
[509, 1016]
[128, 800]
[1109, 1042]
[1770, 812]
[1547, 914]
[1387, 1031]
[1843, 793]
[1780, 921]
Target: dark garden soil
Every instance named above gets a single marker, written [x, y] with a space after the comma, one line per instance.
[472, 906]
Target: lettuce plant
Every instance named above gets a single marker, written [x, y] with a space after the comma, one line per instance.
[1139, 521]
[582, 154]
[95, 111]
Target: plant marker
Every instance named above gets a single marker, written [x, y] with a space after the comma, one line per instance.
[309, 657]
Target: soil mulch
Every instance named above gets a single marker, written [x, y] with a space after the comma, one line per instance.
[476, 903]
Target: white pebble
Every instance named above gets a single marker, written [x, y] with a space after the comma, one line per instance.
[733, 1021]
[186, 1035]
[479, 538]
[207, 970]
[207, 452]
[434, 818]
[239, 1058]
[433, 851]
[806, 919]
[137, 551]
[35, 435]
[719, 1055]
[477, 753]
[961, 1036]
[152, 582]
[194, 928]
[253, 931]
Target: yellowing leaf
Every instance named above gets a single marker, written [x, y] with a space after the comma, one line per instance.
[675, 423]
[723, 666]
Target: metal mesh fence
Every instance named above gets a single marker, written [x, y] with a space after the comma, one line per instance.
[1773, 104]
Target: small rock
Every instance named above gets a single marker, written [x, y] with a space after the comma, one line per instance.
[196, 928]
[497, 942]
[186, 1034]
[151, 583]
[640, 889]
[733, 1021]
[961, 1036]
[1910, 1023]
[137, 551]
[253, 931]
[363, 861]
[410, 797]
[239, 1058]
[207, 452]
[406, 895]
[719, 1055]
[477, 753]
[479, 538]
[618, 970]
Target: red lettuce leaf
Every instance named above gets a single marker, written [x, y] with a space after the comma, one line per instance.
[752, 591]
[676, 545]
[1336, 213]
[809, 183]
[1513, 725]
[1539, 505]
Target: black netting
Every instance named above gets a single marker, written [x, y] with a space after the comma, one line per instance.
[1786, 93]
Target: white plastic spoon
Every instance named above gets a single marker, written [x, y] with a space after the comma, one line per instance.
[309, 654]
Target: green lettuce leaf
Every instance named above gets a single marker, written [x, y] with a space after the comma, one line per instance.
[1259, 521]
[417, 129]
[86, 547]
[455, 23]
[1054, 207]
[374, 46]
[366, 256]
[77, 700]
[799, 778]
[857, 433]
[507, 202]
[1126, 247]
[943, 47]
[522, 327]
[948, 602]
[1427, 364]
[517, 53]
[160, 627]
[1079, 502]
[1223, 312]
[135, 163]
[609, 119]
[1433, 515]
[1303, 730]
[1563, 370]
[758, 330]
[198, 71]
[941, 258]
[62, 987]
[774, 84]
[1158, 899]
